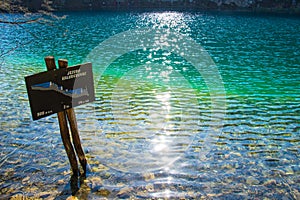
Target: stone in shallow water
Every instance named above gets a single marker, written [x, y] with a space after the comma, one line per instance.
[99, 168]
[96, 181]
[22, 197]
[252, 181]
[61, 182]
[72, 198]
[149, 176]
[150, 187]
[270, 182]
[25, 180]
[103, 192]
[124, 193]
[296, 194]
[44, 195]
[289, 171]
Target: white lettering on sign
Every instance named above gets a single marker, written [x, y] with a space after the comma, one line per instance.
[66, 106]
[73, 74]
[42, 113]
[76, 71]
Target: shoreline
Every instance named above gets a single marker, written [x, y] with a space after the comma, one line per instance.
[237, 6]
[278, 13]
[275, 12]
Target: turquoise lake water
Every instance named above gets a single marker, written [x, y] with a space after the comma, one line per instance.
[188, 105]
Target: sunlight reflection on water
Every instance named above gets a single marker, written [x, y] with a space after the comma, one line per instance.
[162, 105]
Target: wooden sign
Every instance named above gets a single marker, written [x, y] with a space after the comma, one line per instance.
[57, 90]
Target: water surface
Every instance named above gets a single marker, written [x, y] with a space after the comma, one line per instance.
[145, 135]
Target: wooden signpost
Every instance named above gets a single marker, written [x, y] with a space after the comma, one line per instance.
[58, 91]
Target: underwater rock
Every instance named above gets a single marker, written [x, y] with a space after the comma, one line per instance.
[22, 197]
[103, 192]
[99, 168]
[289, 171]
[61, 182]
[72, 198]
[96, 181]
[150, 187]
[124, 193]
[149, 176]
[252, 181]
[270, 182]
[25, 180]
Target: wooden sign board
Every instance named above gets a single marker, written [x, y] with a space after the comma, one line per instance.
[57, 90]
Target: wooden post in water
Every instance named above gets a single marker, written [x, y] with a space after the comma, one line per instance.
[64, 130]
[73, 125]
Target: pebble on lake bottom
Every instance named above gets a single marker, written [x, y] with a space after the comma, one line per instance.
[252, 181]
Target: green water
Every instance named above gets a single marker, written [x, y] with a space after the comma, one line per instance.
[160, 127]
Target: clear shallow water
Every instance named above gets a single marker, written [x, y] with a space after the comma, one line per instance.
[146, 137]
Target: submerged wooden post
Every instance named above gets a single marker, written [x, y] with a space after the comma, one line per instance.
[73, 125]
[64, 130]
